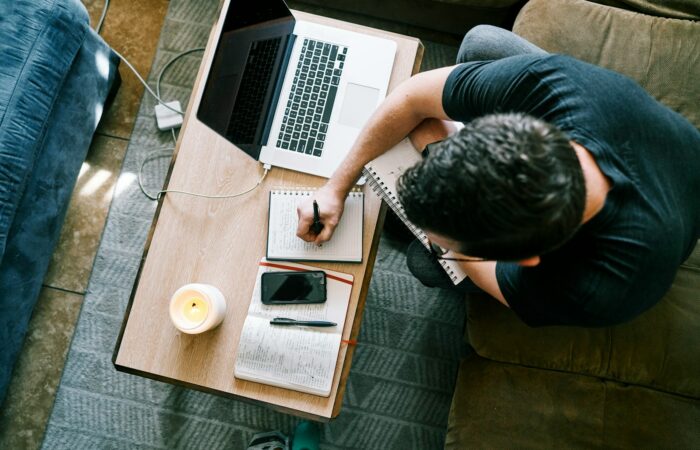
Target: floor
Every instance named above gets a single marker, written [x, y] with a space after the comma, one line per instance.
[131, 27]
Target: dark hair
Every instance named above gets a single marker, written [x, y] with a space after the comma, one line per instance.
[506, 187]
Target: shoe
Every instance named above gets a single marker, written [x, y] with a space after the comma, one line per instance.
[271, 440]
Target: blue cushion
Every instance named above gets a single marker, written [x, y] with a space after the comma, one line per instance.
[49, 114]
[38, 43]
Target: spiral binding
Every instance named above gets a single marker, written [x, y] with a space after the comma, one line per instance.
[308, 190]
[381, 189]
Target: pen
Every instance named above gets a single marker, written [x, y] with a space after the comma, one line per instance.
[317, 226]
[301, 323]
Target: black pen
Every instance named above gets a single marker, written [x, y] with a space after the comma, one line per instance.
[301, 323]
[317, 226]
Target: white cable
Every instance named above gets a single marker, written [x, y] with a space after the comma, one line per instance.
[149, 157]
[159, 153]
[98, 28]
[162, 72]
[146, 84]
[175, 58]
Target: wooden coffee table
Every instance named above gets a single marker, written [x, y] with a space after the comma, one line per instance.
[220, 242]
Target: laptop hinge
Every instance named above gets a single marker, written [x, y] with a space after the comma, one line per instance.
[267, 126]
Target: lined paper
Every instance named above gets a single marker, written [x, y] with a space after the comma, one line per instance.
[283, 243]
[294, 357]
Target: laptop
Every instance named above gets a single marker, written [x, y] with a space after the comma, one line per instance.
[290, 93]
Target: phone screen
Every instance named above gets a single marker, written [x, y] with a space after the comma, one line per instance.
[293, 287]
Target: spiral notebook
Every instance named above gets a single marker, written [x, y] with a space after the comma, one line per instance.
[283, 243]
[382, 174]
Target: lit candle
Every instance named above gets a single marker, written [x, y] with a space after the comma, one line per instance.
[195, 308]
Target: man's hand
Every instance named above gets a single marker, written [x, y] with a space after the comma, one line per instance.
[330, 209]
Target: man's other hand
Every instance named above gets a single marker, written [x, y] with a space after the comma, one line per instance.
[330, 210]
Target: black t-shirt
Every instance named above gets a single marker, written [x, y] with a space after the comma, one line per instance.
[622, 261]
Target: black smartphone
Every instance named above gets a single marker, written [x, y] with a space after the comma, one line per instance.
[293, 288]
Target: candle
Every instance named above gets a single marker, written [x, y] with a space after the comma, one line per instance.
[196, 308]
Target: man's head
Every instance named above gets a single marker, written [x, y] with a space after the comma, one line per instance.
[506, 187]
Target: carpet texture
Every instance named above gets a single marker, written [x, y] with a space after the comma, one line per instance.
[405, 365]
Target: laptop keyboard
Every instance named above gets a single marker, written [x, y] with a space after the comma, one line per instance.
[256, 78]
[311, 99]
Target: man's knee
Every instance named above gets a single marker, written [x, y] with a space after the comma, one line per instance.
[479, 43]
[424, 267]
[486, 42]
[483, 35]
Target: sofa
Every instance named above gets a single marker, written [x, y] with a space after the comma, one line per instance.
[632, 385]
[448, 19]
[55, 77]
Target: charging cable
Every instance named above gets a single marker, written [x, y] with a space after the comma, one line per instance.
[162, 72]
[167, 151]
[148, 88]
[161, 152]
[98, 28]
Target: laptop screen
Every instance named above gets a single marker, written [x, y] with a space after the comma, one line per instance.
[246, 71]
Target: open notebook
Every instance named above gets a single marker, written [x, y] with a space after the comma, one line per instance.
[294, 357]
[383, 173]
[283, 243]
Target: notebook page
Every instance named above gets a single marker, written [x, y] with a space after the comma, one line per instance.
[298, 358]
[283, 243]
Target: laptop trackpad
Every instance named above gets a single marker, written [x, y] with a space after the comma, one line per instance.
[359, 103]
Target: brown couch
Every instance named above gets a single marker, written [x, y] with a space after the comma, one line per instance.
[633, 385]
[451, 18]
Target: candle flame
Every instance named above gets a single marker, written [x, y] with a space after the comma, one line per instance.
[196, 310]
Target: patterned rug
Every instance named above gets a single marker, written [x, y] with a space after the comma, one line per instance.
[403, 374]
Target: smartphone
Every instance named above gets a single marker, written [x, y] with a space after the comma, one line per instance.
[293, 288]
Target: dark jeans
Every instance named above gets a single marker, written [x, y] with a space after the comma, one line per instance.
[481, 43]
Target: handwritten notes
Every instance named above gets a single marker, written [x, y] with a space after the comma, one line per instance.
[294, 357]
[283, 243]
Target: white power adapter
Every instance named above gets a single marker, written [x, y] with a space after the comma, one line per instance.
[166, 118]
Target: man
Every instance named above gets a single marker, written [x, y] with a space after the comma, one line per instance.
[570, 196]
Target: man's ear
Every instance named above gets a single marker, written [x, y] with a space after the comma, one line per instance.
[529, 262]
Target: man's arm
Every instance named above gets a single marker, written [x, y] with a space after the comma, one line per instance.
[429, 131]
[483, 274]
[415, 100]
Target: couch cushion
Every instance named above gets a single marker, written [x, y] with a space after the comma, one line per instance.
[658, 349]
[485, 4]
[498, 405]
[38, 43]
[51, 174]
[676, 9]
[455, 17]
[36, 228]
[663, 55]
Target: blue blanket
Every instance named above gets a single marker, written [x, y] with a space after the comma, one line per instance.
[55, 74]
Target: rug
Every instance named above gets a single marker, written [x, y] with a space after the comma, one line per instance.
[405, 365]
